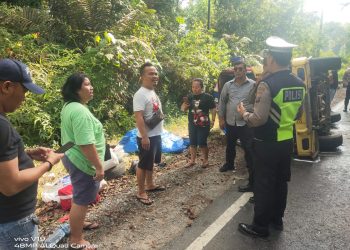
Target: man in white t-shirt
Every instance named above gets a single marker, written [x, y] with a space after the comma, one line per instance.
[145, 104]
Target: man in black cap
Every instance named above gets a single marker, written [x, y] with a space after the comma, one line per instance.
[278, 100]
[18, 175]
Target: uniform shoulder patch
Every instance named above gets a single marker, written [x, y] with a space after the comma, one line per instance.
[261, 89]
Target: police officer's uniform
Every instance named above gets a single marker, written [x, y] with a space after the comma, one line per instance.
[275, 110]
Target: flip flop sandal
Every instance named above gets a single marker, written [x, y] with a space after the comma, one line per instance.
[158, 188]
[90, 225]
[145, 201]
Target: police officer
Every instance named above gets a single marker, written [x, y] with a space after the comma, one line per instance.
[278, 100]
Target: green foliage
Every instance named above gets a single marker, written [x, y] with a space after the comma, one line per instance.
[110, 39]
[76, 23]
[112, 66]
[167, 11]
[200, 55]
[23, 20]
[195, 54]
[336, 42]
[336, 38]
[197, 11]
[258, 20]
[168, 7]
[31, 3]
[38, 118]
[180, 20]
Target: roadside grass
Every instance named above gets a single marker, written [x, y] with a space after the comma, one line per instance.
[177, 125]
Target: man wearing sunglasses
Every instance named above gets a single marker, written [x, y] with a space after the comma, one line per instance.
[18, 175]
[234, 92]
[278, 101]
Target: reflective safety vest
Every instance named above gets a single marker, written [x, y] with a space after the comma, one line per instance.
[287, 93]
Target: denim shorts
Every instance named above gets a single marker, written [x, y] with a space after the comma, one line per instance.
[198, 135]
[20, 234]
[85, 188]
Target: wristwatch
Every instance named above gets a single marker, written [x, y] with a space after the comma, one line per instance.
[50, 165]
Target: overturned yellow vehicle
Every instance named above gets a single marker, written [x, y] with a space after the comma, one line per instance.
[313, 129]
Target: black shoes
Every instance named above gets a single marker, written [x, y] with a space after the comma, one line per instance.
[251, 231]
[345, 110]
[226, 167]
[251, 200]
[161, 164]
[245, 188]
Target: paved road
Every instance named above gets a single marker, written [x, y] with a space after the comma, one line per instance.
[317, 214]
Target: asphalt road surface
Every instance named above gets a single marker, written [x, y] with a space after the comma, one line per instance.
[317, 214]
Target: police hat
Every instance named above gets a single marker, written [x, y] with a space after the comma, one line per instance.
[278, 45]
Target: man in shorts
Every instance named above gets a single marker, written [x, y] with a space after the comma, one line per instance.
[145, 104]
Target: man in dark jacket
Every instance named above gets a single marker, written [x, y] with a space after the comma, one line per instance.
[278, 100]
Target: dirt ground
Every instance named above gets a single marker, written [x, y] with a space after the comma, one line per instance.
[125, 223]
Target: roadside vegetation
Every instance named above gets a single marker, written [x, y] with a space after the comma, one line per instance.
[110, 39]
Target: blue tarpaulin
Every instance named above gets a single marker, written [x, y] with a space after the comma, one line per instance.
[170, 143]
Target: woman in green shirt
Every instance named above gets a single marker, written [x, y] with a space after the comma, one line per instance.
[84, 160]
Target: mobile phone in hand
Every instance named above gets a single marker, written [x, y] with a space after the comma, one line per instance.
[185, 99]
[65, 147]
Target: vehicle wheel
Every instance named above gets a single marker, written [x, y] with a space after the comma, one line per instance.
[335, 117]
[115, 172]
[330, 142]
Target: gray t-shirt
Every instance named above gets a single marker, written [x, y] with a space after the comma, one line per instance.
[231, 95]
[146, 100]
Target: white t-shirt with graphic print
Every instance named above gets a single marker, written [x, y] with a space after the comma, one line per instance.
[146, 100]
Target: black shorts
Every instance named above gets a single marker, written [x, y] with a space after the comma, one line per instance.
[148, 157]
[198, 135]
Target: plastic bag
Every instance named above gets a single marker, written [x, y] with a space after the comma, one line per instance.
[111, 162]
[50, 190]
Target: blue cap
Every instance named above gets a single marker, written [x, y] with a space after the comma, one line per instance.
[236, 59]
[16, 71]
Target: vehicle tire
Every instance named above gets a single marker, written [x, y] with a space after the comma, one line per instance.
[335, 117]
[115, 172]
[330, 142]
